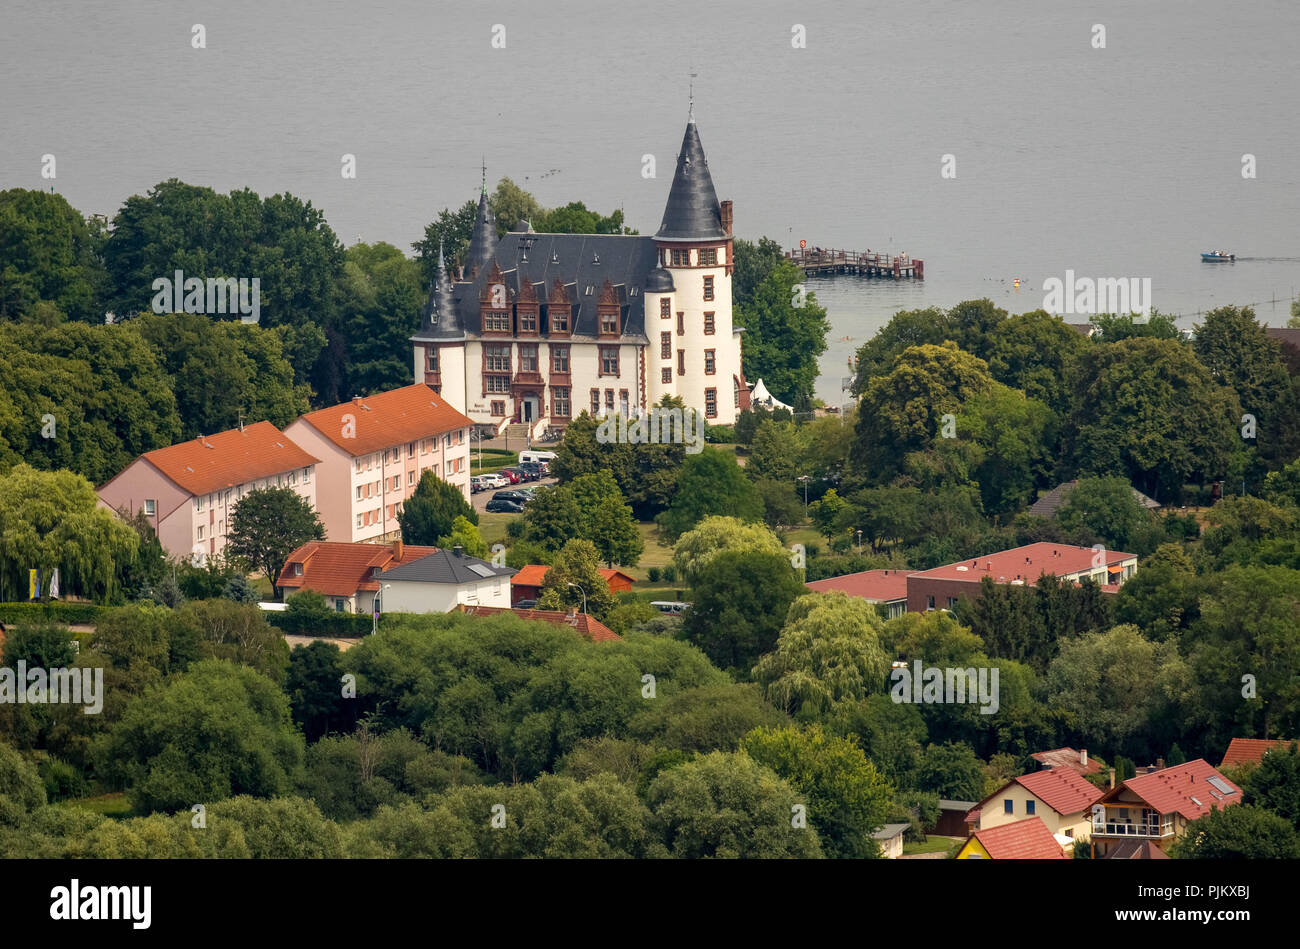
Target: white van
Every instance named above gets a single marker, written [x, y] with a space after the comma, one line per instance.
[671, 607]
[546, 456]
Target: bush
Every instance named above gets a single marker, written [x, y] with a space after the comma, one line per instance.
[655, 573]
[321, 624]
[309, 602]
[69, 614]
[669, 573]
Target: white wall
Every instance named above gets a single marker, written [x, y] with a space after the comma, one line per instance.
[415, 596]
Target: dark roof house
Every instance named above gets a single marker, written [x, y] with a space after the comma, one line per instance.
[1051, 502]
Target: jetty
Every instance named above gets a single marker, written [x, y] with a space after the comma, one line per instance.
[821, 261]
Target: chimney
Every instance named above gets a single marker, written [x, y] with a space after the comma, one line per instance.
[1112, 778]
[1160, 764]
[1083, 757]
[726, 217]
[457, 551]
[397, 549]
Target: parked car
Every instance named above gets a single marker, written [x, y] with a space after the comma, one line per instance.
[513, 475]
[535, 469]
[495, 480]
[517, 496]
[504, 506]
[524, 474]
[525, 605]
[479, 483]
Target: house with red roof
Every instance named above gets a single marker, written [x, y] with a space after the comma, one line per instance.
[1067, 758]
[1250, 750]
[1028, 839]
[188, 491]
[345, 574]
[942, 587]
[526, 585]
[1060, 797]
[373, 451]
[885, 588]
[589, 626]
[1158, 806]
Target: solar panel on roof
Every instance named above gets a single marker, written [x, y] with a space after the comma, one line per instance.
[1221, 785]
[481, 570]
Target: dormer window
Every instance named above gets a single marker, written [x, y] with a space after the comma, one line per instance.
[609, 324]
[297, 570]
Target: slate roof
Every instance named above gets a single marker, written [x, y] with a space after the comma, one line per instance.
[692, 212]
[1027, 839]
[889, 831]
[1243, 750]
[1065, 758]
[1051, 502]
[387, 418]
[440, 318]
[1184, 789]
[215, 462]
[483, 239]
[340, 569]
[444, 566]
[880, 586]
[589, 626]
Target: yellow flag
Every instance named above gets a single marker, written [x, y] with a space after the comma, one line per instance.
[33, 584]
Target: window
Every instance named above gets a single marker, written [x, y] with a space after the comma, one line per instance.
[338, 605]
[665, 308]
[709, 257]
[929, 602]
[498, 358]
[609, 399]
[1029, 806]
[708, 288]
[498, 409]
[200, 532]
[293, 480]
[297, 570]
[681, 324]
[410, 478]
[622, 402]
[431, 360]
[306, 475]
[708, 324]
[595, 401]
[666, 376]
[709, 364]
[358, 520]
[497, 385]
[528, 358]
[358, 492]
[198, 503]
[681, 362]
[609, 360]
[446, 440]
[665, 345]
[1008, 806]
[358, 464]
[496, 321]
[710, 403]
[609, 324]
[560, 401]
[397, 482]
[150, 506]
[424, 447]
[528, 322]
[952, 601]
[681, 258]
[735, 391]
[559, 319]
[410, 450]
[559, 359]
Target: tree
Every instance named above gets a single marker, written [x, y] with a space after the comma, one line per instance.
[1036, 353]
[431, 511]
[267, 525]
[828, 651]
[708, 718]
[952, 771]
[1275, 784]
[739, 603]
[511, 204]
[52, 520]
[1240, 832]
[846, 797]
[465, 535]
[908, 328]
[216, 731]
[615, 534]
[710, 483]
[238, 632]
[1012, 446]
[21, 788]
[51, 255]
[778, 452]
[577, 563]
[714, 535]
[1107, 509]
[449, 236]
[1112, 328]
[384, 293]
[785, 334]
[40, 646]
[825, 513]
[754, 263]
[728, 805]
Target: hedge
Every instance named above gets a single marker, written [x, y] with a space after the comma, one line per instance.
[71, 614]
[321, 624]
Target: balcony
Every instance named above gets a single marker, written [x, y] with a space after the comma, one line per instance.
[1130, 829]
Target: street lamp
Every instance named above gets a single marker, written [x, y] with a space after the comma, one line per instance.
[374, 620]
[584, 595]
[804, 479]
[859, 540]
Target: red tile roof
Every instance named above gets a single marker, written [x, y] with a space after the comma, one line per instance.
[386, 419]
[1027, 839]
[338, 569]
[220, 461]
[878, 585]
[1062, 789]
[1026, 563]
[1250, 750]
[1173, 789]
[589, 626]
[1065, 758]
[534, 575]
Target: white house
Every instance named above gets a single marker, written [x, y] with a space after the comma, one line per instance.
[440, 581]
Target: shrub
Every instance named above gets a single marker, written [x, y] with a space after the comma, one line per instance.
[655, 573]
[69, 614]
[669, 573]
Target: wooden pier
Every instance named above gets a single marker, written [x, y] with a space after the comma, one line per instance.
[820, 261]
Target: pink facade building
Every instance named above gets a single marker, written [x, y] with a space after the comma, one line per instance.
[188, 491]
[372, 453]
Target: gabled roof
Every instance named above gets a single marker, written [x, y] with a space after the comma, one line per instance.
[1027, 839]
[1065, 758]
[1250, 750]
[1053, 500]
[1184, 789]
[339, 569]
[589, 626]
[1062, 789]
[379, 421]
[215, 462]
[534, 575]
[692, 212]
[878, 586]
[445, 566]
[889, 831]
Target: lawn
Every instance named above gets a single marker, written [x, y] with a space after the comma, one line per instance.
[110, 805]
[933, 844]
[494, 459]
[492, 527]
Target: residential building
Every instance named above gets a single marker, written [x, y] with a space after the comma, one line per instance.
[1067, 758]
[346, 574]
[1061, 797]
[373, 452]
[589, 626]
[885, 588]
[1250, 750]
[1159, 806]
[441, 581]
[1028, 839]
[942, 587]
[536, 328]
[1051, 502]
[890, 838]
[526, 585]
[188, 491]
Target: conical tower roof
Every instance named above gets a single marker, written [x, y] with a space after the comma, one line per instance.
[441, 321]
[693, 212]
[483, 241]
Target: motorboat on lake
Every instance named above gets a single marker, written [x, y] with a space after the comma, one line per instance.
[1218, 255]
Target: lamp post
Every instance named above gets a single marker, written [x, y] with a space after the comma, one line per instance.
[804, 479]
[374, 620]
[859, 540]
[584, 595]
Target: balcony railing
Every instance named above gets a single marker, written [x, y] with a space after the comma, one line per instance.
[1127, 829]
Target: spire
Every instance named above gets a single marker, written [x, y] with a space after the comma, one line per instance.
[440, 318]
[693, 212]
[483, 241]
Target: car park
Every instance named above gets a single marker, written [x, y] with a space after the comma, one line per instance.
[525, 457]
[534, 469]
[513, 475]
[504, 506]
[517, 496]
[479, 483]
[495, 480]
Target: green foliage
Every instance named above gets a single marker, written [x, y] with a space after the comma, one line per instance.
[714, 535]
[711, 483]
[40, 645]
[431, 511]
[314, 685]
[1237, 833]
[267, 525]
[1105, 509]
[466, 535]
[67, 614]
[952, 771]
[711, 718]
[740, 601]
[578, 564]
[383, 293]
[21, 787]
[1036, 352]
[1275, 784]
[1112, 328]
[782, 340]
[51, 256]
[591, 507]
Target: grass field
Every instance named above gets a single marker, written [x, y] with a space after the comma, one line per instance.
[494, 459]
[110, 805]
[933, 844]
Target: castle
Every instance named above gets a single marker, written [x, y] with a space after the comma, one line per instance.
[540, 327]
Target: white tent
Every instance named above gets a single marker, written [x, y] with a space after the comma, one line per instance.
[760, 396]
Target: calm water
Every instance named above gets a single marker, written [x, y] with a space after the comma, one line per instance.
[1124, 161]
